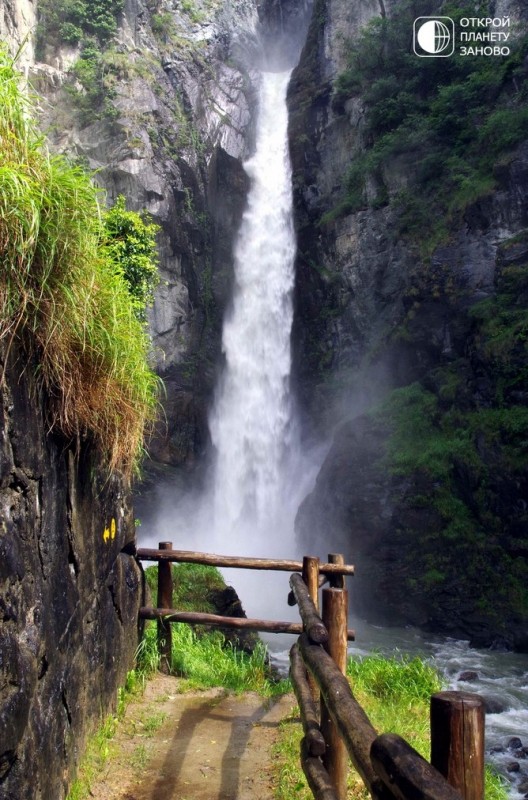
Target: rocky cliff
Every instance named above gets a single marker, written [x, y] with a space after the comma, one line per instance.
[163, 111]
[69, 592]
[411, 212]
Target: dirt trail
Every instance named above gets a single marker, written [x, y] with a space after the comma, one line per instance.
[200, 746]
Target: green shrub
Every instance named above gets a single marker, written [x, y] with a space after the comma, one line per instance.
[63, 294]
[130, 243]
[455, 118]
[70, 21]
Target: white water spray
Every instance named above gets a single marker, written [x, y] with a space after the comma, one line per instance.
[251, 423]
[260, 475]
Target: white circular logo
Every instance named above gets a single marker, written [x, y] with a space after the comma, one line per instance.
[433, 36]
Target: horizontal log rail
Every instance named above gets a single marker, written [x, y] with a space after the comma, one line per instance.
[236, 562]
[199, 618]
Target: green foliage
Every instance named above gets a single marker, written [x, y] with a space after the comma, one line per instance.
[72, 21]
[192, 586]
[63, 294]
[460, 454]
[453, 119]
[207, 660]
[394, 679]
[90, 24]
[131, 244]
[162, 25]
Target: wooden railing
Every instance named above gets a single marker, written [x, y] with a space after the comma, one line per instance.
[336, 728]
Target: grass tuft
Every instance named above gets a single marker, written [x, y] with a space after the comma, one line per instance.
[63, 295]
[207, 660]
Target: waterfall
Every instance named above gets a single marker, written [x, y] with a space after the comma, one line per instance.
[251, 422]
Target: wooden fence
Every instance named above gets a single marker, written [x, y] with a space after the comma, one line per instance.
[336, 727]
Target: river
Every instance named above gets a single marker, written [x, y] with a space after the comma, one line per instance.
[502, 679]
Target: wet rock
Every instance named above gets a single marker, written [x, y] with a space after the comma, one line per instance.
[523, 786]
[514, 743]
[493, 704]
[497, 748]
[513, 766]
[227, 604]
[468, 675]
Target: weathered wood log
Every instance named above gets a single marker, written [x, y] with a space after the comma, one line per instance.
[310, 575]
[405, 773]
[335, 614]
[316, 775]
[196, 618]
[309, 718]
[336, 581]
[313, 624]
[192, 557]
[164, 600]
[352, 722]
[457, 741]
[291, 597]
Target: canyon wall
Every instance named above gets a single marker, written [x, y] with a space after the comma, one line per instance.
[69, 592]
[409, 318]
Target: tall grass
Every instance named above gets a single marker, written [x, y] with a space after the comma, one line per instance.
[207, 660]
[61, 294]
[395, 694]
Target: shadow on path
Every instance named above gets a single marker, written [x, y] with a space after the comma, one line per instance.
[204, 756]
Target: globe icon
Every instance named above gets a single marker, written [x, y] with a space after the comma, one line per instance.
[434, 36]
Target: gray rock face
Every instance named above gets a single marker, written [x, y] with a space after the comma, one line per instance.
[353, 272]
[372, 314]
[69, 594]
[18, 19]
[176, 125]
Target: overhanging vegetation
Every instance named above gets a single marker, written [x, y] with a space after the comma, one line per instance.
[63, 289]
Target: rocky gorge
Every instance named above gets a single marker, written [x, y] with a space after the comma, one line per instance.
[390, 292]
[409, 332]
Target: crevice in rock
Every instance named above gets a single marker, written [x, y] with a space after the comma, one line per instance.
[72, 559]
[43, 667]
[7, 760]
[66, 707]
[114, 602]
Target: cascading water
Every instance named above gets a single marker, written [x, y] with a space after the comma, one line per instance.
[251, 423]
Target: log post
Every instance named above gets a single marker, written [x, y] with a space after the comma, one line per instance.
[335, 618]
[310, 575]
[457, 741]
[164, 601]
[336, 581]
